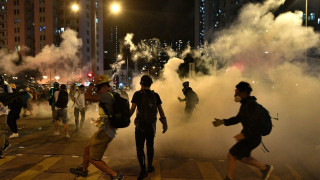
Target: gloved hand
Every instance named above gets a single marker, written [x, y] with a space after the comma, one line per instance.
[179, 99]
[217, 122]
[163, 120]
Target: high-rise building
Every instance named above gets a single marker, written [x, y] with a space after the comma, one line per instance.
[3, 25]
[20, 26]
[28, 25]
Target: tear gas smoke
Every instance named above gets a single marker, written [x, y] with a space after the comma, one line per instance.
[278, 83]
[51, 59]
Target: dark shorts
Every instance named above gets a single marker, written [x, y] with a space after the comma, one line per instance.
[244, 147]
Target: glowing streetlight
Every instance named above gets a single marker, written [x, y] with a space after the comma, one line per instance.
[45, 77]
[115, 8]
[57, 77]
[75, 7]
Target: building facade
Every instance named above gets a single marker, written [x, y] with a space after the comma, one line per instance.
[29, 25]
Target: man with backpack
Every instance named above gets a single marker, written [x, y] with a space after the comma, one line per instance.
[51, 100]
[256, 122]
[148, 103]
[191, 99]
[98, 143]
[61, 99]
[79, 106]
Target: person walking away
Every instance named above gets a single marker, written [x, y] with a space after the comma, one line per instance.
[52, 101]
[98, 143]
[79, 106]
[250, 136]
[191, 99]
[4, 89]
[14, 114]
[148, 104]
[61, 99]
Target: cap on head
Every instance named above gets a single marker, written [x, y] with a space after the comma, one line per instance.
[244, 87]
[56, 85]
[146, 81]
[81, 86]
[186, 83]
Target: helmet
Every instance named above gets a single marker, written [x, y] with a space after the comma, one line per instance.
[101, 79]
[27, 89]
[13, 86]
[186, 83]
[56, 85]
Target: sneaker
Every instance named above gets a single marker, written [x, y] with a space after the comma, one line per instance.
[118, 177]
[67, 136]
[56, 133]
[266, 173]
[14, 135]
[150, 169]
[79, 172]
[142, 174]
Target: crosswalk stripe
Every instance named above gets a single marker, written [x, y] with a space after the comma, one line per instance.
[208, 171]
[94, 173]
[156, 175]
[257, 172]
[6, 159]
[295, 174]
[38, 169]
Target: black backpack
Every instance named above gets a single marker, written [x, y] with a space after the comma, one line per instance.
[62, 101]
[195, 98]
[121, 115]
[147, 110]
[265, 125]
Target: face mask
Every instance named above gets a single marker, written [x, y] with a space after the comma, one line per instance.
[237, 98]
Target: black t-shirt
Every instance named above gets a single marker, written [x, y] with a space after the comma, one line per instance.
[137, 97]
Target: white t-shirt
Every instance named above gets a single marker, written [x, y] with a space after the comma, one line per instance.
[79, 99]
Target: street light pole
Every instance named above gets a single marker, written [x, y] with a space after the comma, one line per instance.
[93, 38]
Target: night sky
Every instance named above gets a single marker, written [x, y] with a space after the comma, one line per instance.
[164, 19]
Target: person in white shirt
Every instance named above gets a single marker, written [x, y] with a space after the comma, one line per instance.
[4, 89]
[79, 106]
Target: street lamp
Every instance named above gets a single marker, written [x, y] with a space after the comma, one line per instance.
[115, 8]
[75, 7]
[57, 78]
[45, 77]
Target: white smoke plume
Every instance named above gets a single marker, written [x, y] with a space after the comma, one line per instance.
[51, 59]
[262, 50]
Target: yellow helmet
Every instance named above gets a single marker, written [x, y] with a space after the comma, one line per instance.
[101, 79]
[13, 86]
[28, 89]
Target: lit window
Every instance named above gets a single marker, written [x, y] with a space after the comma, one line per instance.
[318, 20]
[62, 29]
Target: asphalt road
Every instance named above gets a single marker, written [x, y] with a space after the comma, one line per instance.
[38, 154]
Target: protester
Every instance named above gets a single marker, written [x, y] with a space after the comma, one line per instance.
[148, 104]
[61, 99]
[79, 106]
[14, 114]
[94, 150]
[51, 100]
[191, 99]
[4, 90]
[250, 137]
